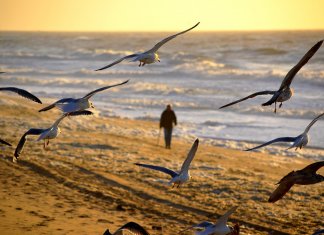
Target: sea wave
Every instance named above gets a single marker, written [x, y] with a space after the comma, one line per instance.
[270, 51]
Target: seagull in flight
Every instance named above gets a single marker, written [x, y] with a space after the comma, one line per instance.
[218, 228]
[22, 93]
[303, 177]
[285, 92]
[45, 134]
[130, 228]
[4, 142]
[150, 56]
[181, 177]
[298, 141]
[67, 105]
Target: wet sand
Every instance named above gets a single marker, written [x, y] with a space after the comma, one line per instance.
[86, 181]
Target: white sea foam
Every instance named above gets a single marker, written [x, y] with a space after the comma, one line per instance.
[197, 75]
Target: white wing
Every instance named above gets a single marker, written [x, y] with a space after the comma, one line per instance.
[223, 219]
[191, 155]
[161, 43]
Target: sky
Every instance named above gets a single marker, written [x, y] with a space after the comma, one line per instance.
[160, 15]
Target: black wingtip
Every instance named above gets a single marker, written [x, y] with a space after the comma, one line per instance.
[107, 232]
[39, 101]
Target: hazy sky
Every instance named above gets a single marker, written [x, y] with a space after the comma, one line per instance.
[160, 15]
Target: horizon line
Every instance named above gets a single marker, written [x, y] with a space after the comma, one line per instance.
[155, 31]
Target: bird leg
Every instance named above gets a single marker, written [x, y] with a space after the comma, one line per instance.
[140, 64]
[275, 111]
[178, 185]
[173, 185]
[280, 105]
[44, 144]
[143, 64]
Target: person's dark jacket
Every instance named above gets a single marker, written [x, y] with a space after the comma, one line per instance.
[168, 117]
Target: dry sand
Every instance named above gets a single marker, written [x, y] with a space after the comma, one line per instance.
[86, 181]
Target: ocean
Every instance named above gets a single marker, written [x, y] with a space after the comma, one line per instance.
[198, 73]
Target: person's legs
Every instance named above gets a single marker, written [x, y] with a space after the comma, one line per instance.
[167, 137]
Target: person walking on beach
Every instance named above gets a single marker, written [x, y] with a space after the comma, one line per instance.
[168, 118]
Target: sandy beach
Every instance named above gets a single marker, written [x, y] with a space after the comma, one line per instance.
[87, 182]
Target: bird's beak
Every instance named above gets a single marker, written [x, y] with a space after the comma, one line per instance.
[92, 106]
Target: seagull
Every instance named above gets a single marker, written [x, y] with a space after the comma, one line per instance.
[298, 141]
[304, 177]
[285, 92]
[4, 142]
[150, 56]
[22, 93]
[68, 105]
[181, 177]
[131, 228]
[45, 134]
[218, 228]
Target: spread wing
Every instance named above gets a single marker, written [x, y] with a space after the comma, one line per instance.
[284, 186]
[118, 61]
[312, 168]
[291, 74]
[250, 96]
[76, 113]
[61, 101]
[23, 139]
[4, 142]
[191, 155]
[159, 168]
[224, 218]
[161, 43]
[22, 93]
[133, 228]
[87, 96]
[312, 122]
[201, 225]
[281, 139]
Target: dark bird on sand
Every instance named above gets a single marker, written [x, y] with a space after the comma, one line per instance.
[305, 176]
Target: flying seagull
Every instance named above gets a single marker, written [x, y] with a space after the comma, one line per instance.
[298, 141]
[4, 142]
[181, 177]
[150, 56]
[68, 105]
[45, 134]
[218, 228]
[304, 177]
[285, 92]
[22, 93]
[131, 228]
